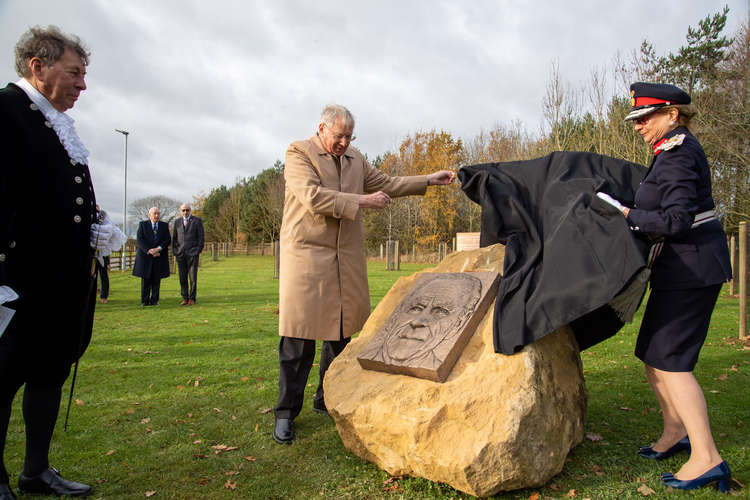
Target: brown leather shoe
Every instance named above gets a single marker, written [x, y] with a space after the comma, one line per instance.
[191, 302]
[103, 301]
[185, 303]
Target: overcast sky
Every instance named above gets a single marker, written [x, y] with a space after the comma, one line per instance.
[215, 91]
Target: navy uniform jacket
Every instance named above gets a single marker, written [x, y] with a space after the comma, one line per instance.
[676, 188]
[188, 240]
[145, 240]
[47, 206]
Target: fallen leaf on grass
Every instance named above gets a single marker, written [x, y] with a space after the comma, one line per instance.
[245, 378]
[200, 455]
[265, 410]
[232, 473]
[146, 420]
[230, 485]
[249, 458]
[129, 411]
[571, 494]
[217, 410]
[625, 408]
[204, 481]
[110, 452]
[645, 490]
[740, 423]
[179, 387]
[150, 493]
[598, 470]
[723, 376]
[79, 402]
[222, 448]
[534, 496]
[198, 441]
[553, 487]
[593, 436]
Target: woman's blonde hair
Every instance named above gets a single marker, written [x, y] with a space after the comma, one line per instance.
[686, 113]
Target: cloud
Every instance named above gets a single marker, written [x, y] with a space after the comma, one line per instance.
[215, 91]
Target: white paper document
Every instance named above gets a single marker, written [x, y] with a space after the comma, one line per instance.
[6, 314]
[7, 294]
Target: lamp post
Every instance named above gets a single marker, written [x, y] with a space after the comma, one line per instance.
[124, 200]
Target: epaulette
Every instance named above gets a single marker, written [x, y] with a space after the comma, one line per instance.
[671, 143]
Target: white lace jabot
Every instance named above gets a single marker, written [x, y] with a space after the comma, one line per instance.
[62, 124]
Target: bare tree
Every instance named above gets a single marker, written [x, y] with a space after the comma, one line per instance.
[139, 208]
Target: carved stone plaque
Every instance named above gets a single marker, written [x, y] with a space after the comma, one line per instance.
[429, 329]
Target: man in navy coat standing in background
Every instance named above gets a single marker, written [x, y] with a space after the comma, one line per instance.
[152, 257]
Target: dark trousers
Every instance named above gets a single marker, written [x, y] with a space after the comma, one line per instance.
[150, 288]
[187, 267]
[41, 404]
[296, 357]
[104, 275]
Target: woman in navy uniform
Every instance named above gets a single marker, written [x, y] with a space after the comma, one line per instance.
[689, 265]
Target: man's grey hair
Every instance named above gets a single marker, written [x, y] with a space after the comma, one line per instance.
[48, 44]
[153, 209]
[333, 112]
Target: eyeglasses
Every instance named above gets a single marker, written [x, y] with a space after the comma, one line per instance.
[185, 209]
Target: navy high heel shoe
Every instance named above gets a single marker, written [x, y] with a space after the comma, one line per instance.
[719, 474]
[648, 452]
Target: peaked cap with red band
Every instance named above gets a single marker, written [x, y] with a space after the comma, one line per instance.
[648, 97]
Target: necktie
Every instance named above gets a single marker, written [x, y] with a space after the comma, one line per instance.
[154, 230]
[184, 222]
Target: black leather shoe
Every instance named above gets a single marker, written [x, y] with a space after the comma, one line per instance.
[6, 493]
[283, 431]
[648, 452]
[320, 407]
[50, 482]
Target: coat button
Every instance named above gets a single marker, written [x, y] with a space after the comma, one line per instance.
[77, 219]
[2, 257]
[12, 244]
[79, 201]
[78, 179]
[72, 161]
[48, 124]
[33, 107]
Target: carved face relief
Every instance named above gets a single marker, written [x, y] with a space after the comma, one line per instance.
[428, 315]
[428, 330]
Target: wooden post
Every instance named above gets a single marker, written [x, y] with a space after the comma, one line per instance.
[733, 262]
[214, 251]
[276, 259]
[381, 251]
[398, 255]
[742, 276]
[442, 250]
[392, 256]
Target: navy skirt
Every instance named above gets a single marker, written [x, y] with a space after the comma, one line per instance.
[674, 327]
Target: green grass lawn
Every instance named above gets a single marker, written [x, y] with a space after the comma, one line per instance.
[175, 402]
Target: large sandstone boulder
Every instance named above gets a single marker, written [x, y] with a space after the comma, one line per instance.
[496, 423]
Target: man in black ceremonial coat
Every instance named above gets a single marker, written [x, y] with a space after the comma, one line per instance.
[48, 214]
[568, 253]
[152, 256]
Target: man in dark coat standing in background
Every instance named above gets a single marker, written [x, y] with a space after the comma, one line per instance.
[152, 257]
[187, 244]
[45, 164]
